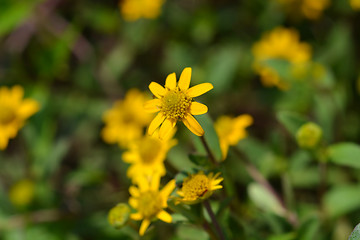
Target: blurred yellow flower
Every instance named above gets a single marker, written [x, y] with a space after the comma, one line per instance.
[231, 130]
[355, 4]
[280, 43]
[175, 103]
[132, 10]
[198, 187]
[147, 156]
[311, 9]
[150, 202]
[22, 193]
[119, 215]
[126, 120]
[14, 110]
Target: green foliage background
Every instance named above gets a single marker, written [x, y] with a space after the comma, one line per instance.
[77, 57]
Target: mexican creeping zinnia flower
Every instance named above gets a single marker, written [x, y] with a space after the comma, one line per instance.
[150, 202]
[132, 10]
[283, 44]
[126, 120]
[175, 103]
[147, 156]
[198, 187]
[14, 110]
[231, 130]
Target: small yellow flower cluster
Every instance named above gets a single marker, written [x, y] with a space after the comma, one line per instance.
[14, 110]
[132, 10]
[146, 154]
[309, 8]
[280, 43]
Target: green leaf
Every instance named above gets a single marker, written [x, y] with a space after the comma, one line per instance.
[200, 160]
[190, 232]
[292, 121]
[264, 200]
[346, 154]
[355, 235]
[309, 229]
[342, 200]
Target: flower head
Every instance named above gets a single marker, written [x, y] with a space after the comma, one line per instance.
[119, 215]
[309, 8]
[125, 121]
[198, 187]
[355, 4]
[132, 10]
[147, 156]
[231, 130]
[280, 43]
[175, 103]
[150, 202]
[14, 110]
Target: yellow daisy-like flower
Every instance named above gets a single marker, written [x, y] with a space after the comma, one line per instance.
[14, 110]
[355, 4]
[147, 156]
[175, 103]
[309, 8]
[198, 187]
[231, 130]
[125, 121]
[280, 43]
[132, 10]
[150, 202]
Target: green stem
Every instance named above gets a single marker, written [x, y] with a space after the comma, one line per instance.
[208, 150]
[214, 220]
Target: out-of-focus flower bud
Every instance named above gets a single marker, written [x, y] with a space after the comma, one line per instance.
[119, 215]
[22, 193]
[309, 135]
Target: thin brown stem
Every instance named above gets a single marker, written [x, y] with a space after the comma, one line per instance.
[208, 150]
[214, 220]
[259, 178]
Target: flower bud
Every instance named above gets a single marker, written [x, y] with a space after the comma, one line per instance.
[119, 215]
[309, 135]
[22, 193]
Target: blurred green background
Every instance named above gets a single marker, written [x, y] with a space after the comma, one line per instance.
[77, 57]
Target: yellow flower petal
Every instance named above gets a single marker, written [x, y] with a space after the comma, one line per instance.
[192, 124]
[169, 187]
[155, 182]
[165, 128]
[159, 119]
[3, 142]
[157, 89]
[133, 202]
[27, 108]
[198, 108]
[185, 78]
[199, 89]
[164, 216]
[17, 93]
[152, 106]
[134, 191]
[216, 187]
[136, 216]
[144, 225]
[170, 81]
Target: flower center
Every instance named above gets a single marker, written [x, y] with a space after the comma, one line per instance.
[149, 150]
[149, 204]
[175, 104]
[7, 115]
[196, 186]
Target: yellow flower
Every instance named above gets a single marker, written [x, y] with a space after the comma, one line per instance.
[125, 121]
[132, 10]
[150, 202]
[175, 103]
[198, 187]
[14, 110]
[119, 215]
[231, 130]
[355, 4]
[309, 8]
[280, 43]
[147, 156]
[22, 193]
